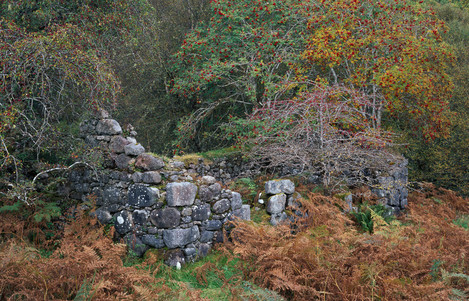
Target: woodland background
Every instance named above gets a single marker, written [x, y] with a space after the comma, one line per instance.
[199, 75]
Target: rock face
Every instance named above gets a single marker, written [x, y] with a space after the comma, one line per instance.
[180, 194]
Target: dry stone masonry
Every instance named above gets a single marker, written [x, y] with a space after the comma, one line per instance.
[153, 204]
[158, 204]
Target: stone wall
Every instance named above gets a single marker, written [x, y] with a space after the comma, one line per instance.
[389, 184]
[152, 203]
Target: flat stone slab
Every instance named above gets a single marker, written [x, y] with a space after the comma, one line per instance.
[178, 238]
[180, 194]
[166, 218]
[279, 186]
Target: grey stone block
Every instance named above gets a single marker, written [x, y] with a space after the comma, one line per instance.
[221, 206]
[201, 212]
[180, 194]
[276, 203]
[279, 186]
[108, 127]
[149, 162]
[134, 149]
[140, 196]
[236, 201]
[166, 218]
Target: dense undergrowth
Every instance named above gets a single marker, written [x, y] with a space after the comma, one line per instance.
[421, 255]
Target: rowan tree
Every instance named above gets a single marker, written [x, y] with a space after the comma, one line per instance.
[391, 51]
[240, 58]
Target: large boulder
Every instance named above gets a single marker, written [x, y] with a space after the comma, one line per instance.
[108, 127]
[141, 196]
[151, 177]
[166, 218]
[180, 194]
[279, 186]
[148, 162]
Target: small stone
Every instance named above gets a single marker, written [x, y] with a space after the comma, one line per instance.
[103, 216]
[203, 250]
[189, 252]
[137, 177]
[278, 218]
[186, 211]
[276, 203]
[153, 241]
[151, 177]
[122, 161]
[208, 180]
[212, 225]
[134, 149]
[206, 236]
[201, 212]
[215, 189]
[174, 258]
[117, 144]
[140, 217]
[221, 206]
[148, 162]
[108, 127]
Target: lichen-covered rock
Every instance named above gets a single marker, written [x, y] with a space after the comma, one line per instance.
[140, 217]
[110, 195]
[123, 222]
[180, 194]
[140, 196]
[166, 218]
[279, 186]
[178, 238]
[276, 203]
[206, 236]
[153, 241]
[221, 206]
[215, 189]
[212, 225]
[133, 149]
[148, 162]
[151, 177]
[243, 213]
[117, 144]
[201, 212]
[108, 127]
[236, 201]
